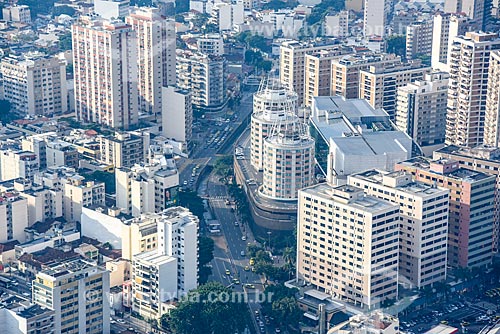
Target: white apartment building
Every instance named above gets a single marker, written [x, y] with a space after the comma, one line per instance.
[148, 187]
[105, 69]
[177, 115]
[421, 109]
[337, 25]
[13, 217]
[76, 291]
[211, 44]
[205, 77]
[17, 13]
[348, 244]
[492, 119]
[423, 236]
[379, 83]
[468, 86]
[376, 15]
[477, 10]
[43, 202]
[26, 318]
[111, 9]
[227, 15]
[156, 57]
[419, 39]
[17, 164]
[171, 270]
[35, 84]
[78, 194]
[124, 149]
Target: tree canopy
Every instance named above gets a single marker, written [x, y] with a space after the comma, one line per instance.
[319, 11]
[206, 254]
[208, 309]
[282, 306]
[397, 44]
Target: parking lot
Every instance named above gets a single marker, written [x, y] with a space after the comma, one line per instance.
[457, 314]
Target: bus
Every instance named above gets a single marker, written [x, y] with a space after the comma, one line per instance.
[5, 282]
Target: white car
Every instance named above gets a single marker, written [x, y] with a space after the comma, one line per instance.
[244, 238]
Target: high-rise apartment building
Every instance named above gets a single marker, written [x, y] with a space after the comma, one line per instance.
[492, 118]
[76, 290]
[445, 28]
[17, 13]
[171, 270]
[147, 187]
[317, 76]
[35, 84]
[177, 115]
[477, 10]
[483, 159]
[105, 68]
[379, 83]
[376, 16]
[348, 244]
[345, 71]
[419, 39]
[270, 105]
[205, 77]
[156, 57]
[470, 225]
[17, 164]
[112, 9]
[423, 235]
[124, 149]
[421, 109]
[78, 193]
[13, 217]
[469, 62]
[292, 62]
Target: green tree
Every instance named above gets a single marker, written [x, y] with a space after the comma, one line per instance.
[282, 306]
[224, 166]
[181, 6]
[279, 4]
[206, 310]
[193, 202]
[58, 10]
[397, 44]
[6, 116]
[319, 11]
[179, 18]
[206, 250]
[252, 249]
[65, 42]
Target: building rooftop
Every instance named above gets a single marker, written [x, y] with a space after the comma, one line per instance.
[33, 311]
[459, 174]
[349, 195]
[70, 266]
[356, 128]
[483, 152]
[407, 185]
[154, 258]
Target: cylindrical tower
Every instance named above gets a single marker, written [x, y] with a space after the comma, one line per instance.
[269, 106]
[288, 159]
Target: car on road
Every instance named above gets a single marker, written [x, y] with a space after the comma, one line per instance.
[228, 272]
[236, 224]
[249, 286]
[247, 268]
[252, 261]
[25, 294]
[121, 321]
[244, 238]
[185, 183]
[236, 281]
